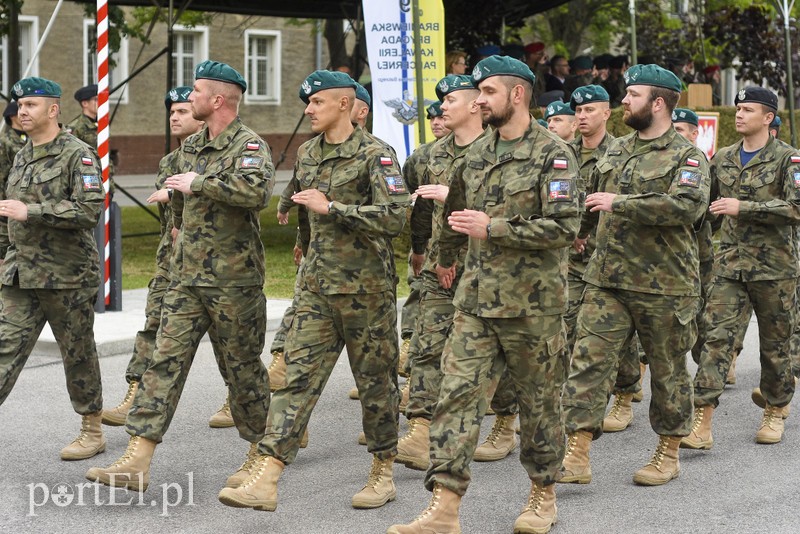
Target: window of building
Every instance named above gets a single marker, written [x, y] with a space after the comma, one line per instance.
[190, 47]
[262, 66]
[117, 74]
[28, 39]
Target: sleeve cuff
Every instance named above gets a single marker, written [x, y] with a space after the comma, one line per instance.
[34, 212]
[618, 205]
[197, 184]
[499, 228]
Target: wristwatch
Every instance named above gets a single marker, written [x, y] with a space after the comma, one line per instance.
[169, 193]
[488, 230]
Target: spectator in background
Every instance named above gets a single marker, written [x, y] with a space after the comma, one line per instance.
[559, 70]
[455, 62]
[713, 77]
[581, 75]
[536, 59]
[487, 51]
[600, 68]
[615, 83]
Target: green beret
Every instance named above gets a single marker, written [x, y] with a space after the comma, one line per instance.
[453, 82]
[177, 95]
[652, 75]
[757, 95]
[434, 110]
[542, 123]
[588, 94]
[221, 72]
[363, 95]
[684, 115]
[86, 93]
[558, 108]
[35, 87]
[501, 66]
[319, 80]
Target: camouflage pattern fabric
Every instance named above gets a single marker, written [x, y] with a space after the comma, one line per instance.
[509, 302]
[85, 129]
[279, 341]
[11, 142]
[756, 263]
[347, 296]
[323, 325]
[51, 268]
[217, 276]
[643, 278]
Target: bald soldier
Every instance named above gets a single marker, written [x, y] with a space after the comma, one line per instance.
[356, 201]
[216, 278]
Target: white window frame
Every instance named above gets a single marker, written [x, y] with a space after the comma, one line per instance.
[200, 55]
[117, 74]
[33, 41]
[275, 99]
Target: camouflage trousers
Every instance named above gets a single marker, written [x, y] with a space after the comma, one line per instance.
[628, 375]
[434, 325]
[145, 342]
[279, 341]
[410, 312]
[238, 316]
[728, 313]
[706, 283]
[323, 325]
[607, 322]
[70, 313]
[475, 356]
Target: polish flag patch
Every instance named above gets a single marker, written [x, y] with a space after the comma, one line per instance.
[795, 159]
[559, 163]
[692, 162]
[386, 161]
[253, 146]
[87, 161]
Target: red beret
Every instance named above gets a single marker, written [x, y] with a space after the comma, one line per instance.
[711, 69]
[532, 48]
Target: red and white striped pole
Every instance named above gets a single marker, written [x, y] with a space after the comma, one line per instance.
[103, 133]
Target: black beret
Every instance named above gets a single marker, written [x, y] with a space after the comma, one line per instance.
[11, 110]
[757, 95]
[86, 93]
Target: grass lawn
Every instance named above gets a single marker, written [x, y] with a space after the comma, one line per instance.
[139, 251]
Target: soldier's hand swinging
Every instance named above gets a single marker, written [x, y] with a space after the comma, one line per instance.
[417, 261]
[470, 222]
[313, 199]
[600, 201]
[14, 209]
[433, 191]
[446, 275]
[283, 218]
[162, 195]
[181, 182]
[725, 206]
[579, 244]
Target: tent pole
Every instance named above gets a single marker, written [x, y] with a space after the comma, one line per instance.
[418, 73]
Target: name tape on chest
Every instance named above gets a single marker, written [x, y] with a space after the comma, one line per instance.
[91, 182]
[690, 179]
[251, 162]
[395, 184]
[560, 191]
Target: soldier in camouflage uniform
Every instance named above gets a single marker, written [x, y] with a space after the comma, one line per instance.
[649, 189]
[514, 198]
[12, 140]
[756, 266]
[84, 126]
[216, 277]
[356, 201]
[561, 120]
[50, 269]
[182, 125]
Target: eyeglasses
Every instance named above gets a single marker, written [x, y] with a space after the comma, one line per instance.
[462, 62]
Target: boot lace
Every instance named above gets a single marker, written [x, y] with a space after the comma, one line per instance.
[375, 473]
[128, 454]
[276, 356]
[412, 427]
[260, 465]
[435, 498]
[572, 442]
[252, 457]
[534, 499]
[616, 407]
[771, 413]
[84, 433]
[658, 456]
[500, 424]
[128, 395]
[698, 419]
[225, 408]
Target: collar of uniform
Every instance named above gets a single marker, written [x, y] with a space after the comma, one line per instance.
[659, 143]
[346, 149]
[444, 147]
[522, 151]
[53, 148]
[765, 155]
[221, 141]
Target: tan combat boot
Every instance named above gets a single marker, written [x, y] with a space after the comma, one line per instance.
[700, 436]
[575, 468]
[665, 464]
[621, 414]
[89, 442]
[771, 430]
[761, 402]
[362, 438]
[245, 470]
[540, 514]
[223, 417]
[440, 517]
[413, 449]
[401, 362]
[277, 371]
[353, 393]
[731, 378]
[379, 488]
[260, 490]
[304, 439]
[405, 393]
[500, 441]
[117, 416]
[639, 395]
[131, 470]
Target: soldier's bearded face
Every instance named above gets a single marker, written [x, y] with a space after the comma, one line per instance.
[638, 108]
[200, 99]
[495, 102]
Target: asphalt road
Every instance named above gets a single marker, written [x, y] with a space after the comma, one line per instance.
[738, 486]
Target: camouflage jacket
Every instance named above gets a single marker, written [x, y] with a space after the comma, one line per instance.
[55, 248]
[579, 260]
[350, 249]
[427, 217]
[413, 171]
[11, 142]
[761, 243]
[648, 243]
[531, 195]
[219, 244]
[166, 168]
[85, 129]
